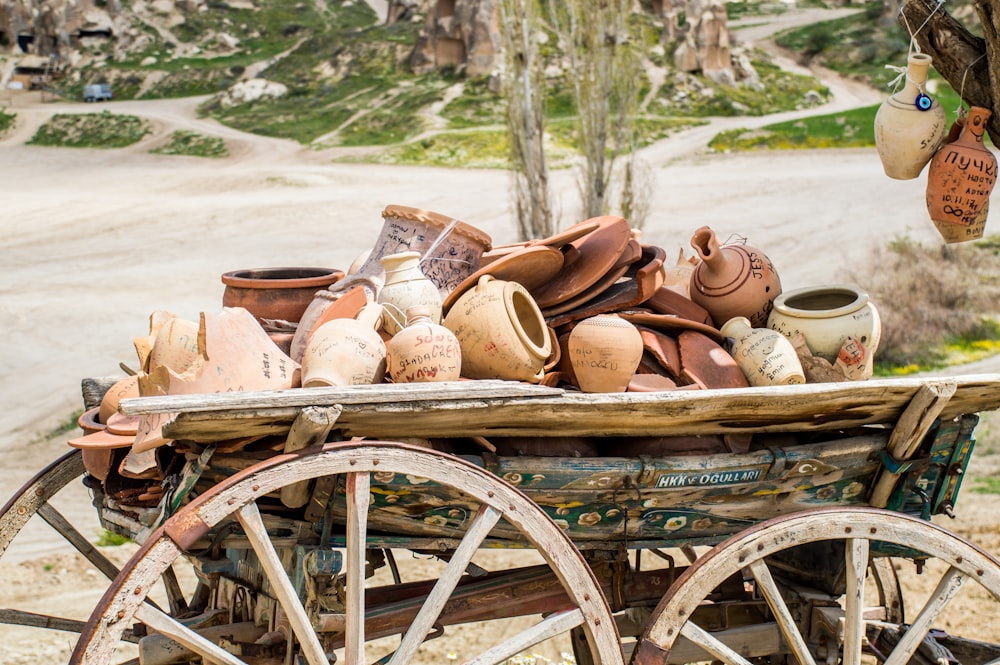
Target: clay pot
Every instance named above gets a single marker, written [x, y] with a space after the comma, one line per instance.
[909, 125]
[280, 294]
[501, 332]
[605, 351]
[346, 352]
[406, 286]
[960, 180]
[97, 445]
[732, 280]
[450, 250]
[766, 356]
[126, 387]
[423, 351]
[827, 316]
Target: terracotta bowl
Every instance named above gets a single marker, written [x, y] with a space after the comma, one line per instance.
[97, 445]
[276, 293]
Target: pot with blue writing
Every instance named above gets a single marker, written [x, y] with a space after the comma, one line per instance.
[960, 179]
[766, 357]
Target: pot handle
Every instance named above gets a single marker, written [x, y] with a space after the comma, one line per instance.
[483, 281]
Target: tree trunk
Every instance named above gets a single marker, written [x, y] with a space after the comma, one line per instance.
[970, 64]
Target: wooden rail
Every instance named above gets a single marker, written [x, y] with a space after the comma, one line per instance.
[499, 408]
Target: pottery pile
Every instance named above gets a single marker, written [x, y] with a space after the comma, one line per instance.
[591, 308]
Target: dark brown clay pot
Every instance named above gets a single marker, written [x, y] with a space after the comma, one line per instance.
[960, 179]
[732, 280]
[276, 293]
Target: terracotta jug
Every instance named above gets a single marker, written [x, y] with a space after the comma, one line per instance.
[423, 351]
[732, 280]
[406, 286]
[346, 352]
[909, 125]
[827, 316]
[766, 357]
[501, 331]
[960, 180]
[605, 351]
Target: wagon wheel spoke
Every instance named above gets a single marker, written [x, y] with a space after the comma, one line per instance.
[358, 499]
[256, 533]
[166, 625]
[485, 520]
[552, 625]
[716, 647]
[786, 622]
[946, 589]
[854, 621]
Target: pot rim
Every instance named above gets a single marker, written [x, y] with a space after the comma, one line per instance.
[859, 299]
[270, 278]
[513, 290]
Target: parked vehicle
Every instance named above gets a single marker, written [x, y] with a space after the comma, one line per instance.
[97, 92]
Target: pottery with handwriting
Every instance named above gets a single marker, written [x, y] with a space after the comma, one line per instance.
[766, 357]
[346, 352]
[423, 351]
[406, 286]
[605, 351]
[827, 316]
[501, 332]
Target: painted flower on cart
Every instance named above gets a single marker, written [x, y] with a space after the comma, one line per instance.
[589, 519]
[384, 476]
[675, 522]
[853, 490]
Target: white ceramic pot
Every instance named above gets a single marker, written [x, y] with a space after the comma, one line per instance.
[406, 286]
[423, 351]
[827, 316]
[345, 352]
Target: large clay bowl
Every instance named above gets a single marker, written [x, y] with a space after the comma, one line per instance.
[281, 294]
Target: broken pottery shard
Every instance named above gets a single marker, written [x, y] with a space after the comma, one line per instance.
[234, 355]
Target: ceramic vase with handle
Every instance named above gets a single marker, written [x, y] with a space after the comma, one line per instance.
[766, 357]
[960, 179]
[346, 352]
[732, 279]
[423, 351]
[827, 316]
[501, 331]
[604, 351]
[406, 286]
[909, 125]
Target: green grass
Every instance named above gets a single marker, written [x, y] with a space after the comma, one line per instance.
[836, 130]
[193, 144]
[90, 130]
[110, 539]
[6, 120]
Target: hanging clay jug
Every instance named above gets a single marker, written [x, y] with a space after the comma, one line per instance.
[604, 351]
[909, 125]
[827, 316]
[406, 286]
[960, 179]
[732, 280]
[766, 357]
[423, 351]
[346, 352]
[501, 331]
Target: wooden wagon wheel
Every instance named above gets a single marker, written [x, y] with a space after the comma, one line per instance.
[34, 500]
[236, 498]
[858, 529]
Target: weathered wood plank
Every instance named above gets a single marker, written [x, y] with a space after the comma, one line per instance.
[459, 413]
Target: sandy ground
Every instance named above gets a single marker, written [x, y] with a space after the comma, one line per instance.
[94, 241]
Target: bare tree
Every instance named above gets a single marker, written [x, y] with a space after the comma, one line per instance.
[524, 88]
[970, 64]
[604, 71]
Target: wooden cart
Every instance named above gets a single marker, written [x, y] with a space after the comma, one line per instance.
[760, 525]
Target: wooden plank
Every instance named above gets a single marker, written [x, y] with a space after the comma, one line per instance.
[914, 423]
[802, 408]
[312, 426]
[358, 498]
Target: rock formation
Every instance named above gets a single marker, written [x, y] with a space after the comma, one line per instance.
[459, 33]
[706, 43]
[55, 27]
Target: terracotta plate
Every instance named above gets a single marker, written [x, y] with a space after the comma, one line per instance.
[556, 240]
[588, 259]
[669, 323]
[530, 266]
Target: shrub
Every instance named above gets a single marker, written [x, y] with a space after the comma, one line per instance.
[932, 296]
[192, 144]
[6, 120]
[91, 130]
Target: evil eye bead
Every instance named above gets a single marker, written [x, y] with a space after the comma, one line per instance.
[923, 102]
